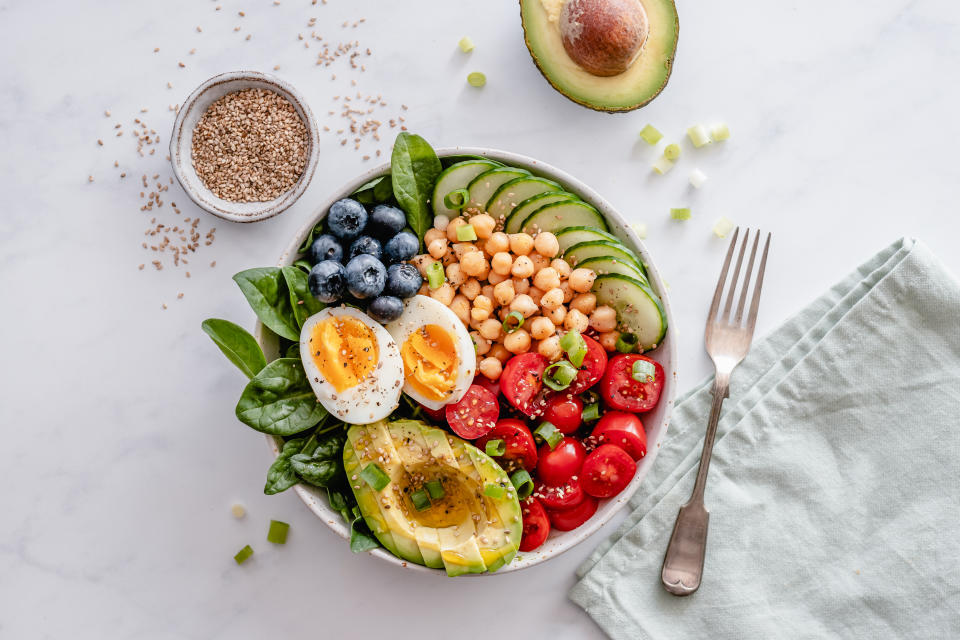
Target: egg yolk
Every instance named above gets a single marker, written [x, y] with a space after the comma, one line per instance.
[344, 350]
[430, 361]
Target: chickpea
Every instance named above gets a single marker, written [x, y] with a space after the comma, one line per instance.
[487, 290]
[461, 249]
[455, 275]
[582, 279]
[473, 263]
[470, 288]
[525, 305]
[448, 259]
[490, 329]
[556, 315]
[517, 342]
[440, 222]
[536, 294]
[608, 340]
[479, 315]
[550, 347]
[546, 244]
[424, 289]
[422, 263]
[499, 352]
[497, 242]
[452, 227]
[541, 328]
[444, 293]
[522, 267]
[568, 291]
[576, 321]
[503, 292]
[561, 267]
[483, 302]
[521, 285]
[546, 279]
[483, 224]
[603, 319]
[495, 278]
[461, 307]
[433, 234]
[501, 262]
[491, 368]
[481, 344]
[521, 243]
[539, 262]
[438, 248]
[552, 299]
[584, 303]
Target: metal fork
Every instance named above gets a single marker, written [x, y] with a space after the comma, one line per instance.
[727, 341]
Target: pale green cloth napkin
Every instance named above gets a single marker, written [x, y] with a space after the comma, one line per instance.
[834, 491]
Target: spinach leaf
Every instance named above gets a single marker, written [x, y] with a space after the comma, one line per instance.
[280, 475]
[279, 400]
[266, 291]
[361, 539]
[292, 351]
[304, 265]
[377, 191]
[415, 168]
[240, 347]
[320, 462]
[302, 301]
[338, 502]
[316, 231]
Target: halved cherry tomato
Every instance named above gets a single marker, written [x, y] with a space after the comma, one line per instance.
[437, 415]
[565, 496]
[487, 383]
[607, 471]
[569, 519]
[522, 382]
[621, 392]
[521, 450]
[565, 411]
[594, 364]
[623, 430]
[475, 414]
[536, 526]
[557, 466]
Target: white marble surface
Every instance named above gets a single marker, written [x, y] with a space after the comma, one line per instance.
[121, 455]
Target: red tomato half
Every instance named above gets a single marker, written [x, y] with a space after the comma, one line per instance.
[565, 411]
[607, 471]
[565, 496]
[621, 392]
[475, 414]
[556, 467]
[594, 364]
[522, 382]
[569, 519]
[623, 430]
[536, 526]
[521, 450]
[487, 383]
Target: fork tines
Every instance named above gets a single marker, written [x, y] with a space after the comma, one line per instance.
[744, 286]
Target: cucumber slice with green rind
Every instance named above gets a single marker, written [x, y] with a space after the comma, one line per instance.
[602, 265]
[639, 309]
[515, 220]
[457, 176]
[570, 236]
[605, 248]
[485, 185]
[512, 193]
[559, 215]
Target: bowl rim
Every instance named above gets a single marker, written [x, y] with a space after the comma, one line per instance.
[190, 182]
[608, 507]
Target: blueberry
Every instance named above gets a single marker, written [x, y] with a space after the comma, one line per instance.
[327, 281]
[385, 309]
[400, 247]
[346, 219]
[326, 247]
[365, 244]
[403, 280]
[366, 276]
[387, 221]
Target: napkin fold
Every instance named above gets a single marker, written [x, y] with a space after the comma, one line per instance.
[834, 488]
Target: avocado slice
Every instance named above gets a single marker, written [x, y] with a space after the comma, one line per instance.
[643, 77]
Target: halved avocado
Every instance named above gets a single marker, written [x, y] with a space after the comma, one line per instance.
[627, 67]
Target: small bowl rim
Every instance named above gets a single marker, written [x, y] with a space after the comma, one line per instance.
[180, 158]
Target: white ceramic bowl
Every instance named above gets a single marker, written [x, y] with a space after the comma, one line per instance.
[181, 143]
[655, 422]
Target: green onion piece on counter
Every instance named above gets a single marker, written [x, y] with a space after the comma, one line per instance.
[374, 476]
[466, 233]
[512, 322]
[549, 434]
[493, 491]
[591, 412]
[627, 342]
[476, 79]
[465, 44]
[244, 554]
[697, 178]
[522, 482]
[720, 132]
[495, 448]
[639, 228]
[643, 371]
[671, 151]
[277, 534]
[662, 165]
[435, 275]
[680, 213]
[420, 500]
[722, 227]
[650, 135]
[698, 135]
[456, 199]
[435, 489]
[575, 347]
[559, 375]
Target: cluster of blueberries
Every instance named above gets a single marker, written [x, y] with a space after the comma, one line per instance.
[364, 255]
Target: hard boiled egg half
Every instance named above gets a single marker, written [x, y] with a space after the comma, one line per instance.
[353, 364]
[439, 359]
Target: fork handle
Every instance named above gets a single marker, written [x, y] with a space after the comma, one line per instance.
[720, 391]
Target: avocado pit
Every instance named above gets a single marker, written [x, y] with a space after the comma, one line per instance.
[604, 37]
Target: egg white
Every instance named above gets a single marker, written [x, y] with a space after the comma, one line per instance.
[376, 395]
[423, 310]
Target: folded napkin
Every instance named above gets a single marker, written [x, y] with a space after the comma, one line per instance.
[834, 489]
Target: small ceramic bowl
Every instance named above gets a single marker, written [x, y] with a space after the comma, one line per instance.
[181, 143]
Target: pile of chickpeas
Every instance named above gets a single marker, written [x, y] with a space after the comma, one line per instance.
[499, 273]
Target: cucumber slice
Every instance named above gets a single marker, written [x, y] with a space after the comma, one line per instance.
[457, 176]
[559, 215]
[515, 220]
[512, 193]
[485, 185]
[602, 248]
[602, 265]
[639, 309]
[575, 235]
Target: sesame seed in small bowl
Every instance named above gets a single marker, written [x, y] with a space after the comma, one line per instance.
[244, 146]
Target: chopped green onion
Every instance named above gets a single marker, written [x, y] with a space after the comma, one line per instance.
[720, 132]
[465, 44]
[549, 434]
[420, 500]
[494, 491]
[435, 275]
[575, 347]
[495, 448]
[466, 233]
[244, 554]
[559, 375]
[698, 135]
[374, 476]
[522, 482]
[697, 178]
[435, 489]
[627, 342]
[476, 79]
[643, 371]
[456, 199]
[640, 228]
[591, 412]
[682, 213]
[277, 534]
[512, 322]
[671, 151]
[723, 226]
[662, 165]
[650, 135]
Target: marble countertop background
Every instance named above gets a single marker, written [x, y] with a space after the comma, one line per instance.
[121, 455]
